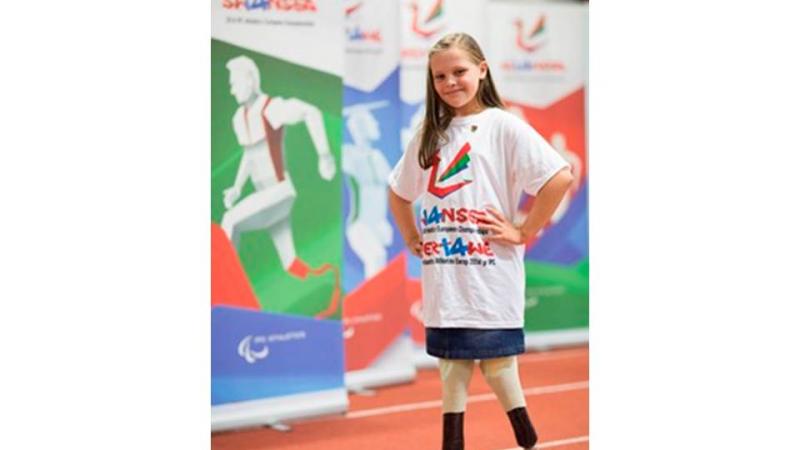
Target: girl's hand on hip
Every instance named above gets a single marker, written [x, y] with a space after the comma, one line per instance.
[499, 228]
[414, 245]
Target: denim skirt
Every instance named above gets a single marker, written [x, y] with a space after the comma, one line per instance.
[474, 343]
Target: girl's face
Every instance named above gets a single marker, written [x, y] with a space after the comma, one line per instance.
[456, 78]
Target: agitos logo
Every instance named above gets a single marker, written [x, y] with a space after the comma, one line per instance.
[248, 345]
[456, 166]
[530, 41]
[426, 26]
[272, 5]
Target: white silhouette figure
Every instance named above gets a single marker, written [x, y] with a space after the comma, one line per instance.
[259, 126]
[368, 230]
[406, 134]
[559, 143]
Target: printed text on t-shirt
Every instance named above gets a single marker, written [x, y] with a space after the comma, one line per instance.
[453, 248]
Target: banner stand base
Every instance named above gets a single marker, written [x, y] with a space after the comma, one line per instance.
[422, 360]
[360, 390]
[279, 426]
[394, 366]
[545, 340]
[272, 411]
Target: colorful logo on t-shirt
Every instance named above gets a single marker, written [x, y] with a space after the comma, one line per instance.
[456, 166]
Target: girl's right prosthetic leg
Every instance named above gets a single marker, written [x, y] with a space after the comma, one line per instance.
[502, 375]
[455, 374]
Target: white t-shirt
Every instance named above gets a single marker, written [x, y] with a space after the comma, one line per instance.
[488, 160]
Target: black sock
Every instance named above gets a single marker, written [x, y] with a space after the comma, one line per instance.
[453, 431]
[523, 428]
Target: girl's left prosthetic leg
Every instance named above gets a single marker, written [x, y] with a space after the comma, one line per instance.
[455, 374]
[502, 375]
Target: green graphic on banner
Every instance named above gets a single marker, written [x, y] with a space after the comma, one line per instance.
[556, 297]
[287, 229]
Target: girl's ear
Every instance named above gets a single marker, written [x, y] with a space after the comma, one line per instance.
[483, 67]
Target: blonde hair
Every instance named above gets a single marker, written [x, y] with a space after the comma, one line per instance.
[438, 114]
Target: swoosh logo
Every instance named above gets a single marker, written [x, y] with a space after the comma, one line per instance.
[523, 37]
[435, 12]
[458, 164]
[351, 9]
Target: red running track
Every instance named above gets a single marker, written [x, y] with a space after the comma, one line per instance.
[409, 416]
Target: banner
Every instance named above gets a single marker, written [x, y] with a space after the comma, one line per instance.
[539, 59]
[276, 104]
[279, 205]
[266, 368]
[423, 23]
[377, 344]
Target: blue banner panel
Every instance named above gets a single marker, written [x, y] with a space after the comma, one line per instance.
[257, 355]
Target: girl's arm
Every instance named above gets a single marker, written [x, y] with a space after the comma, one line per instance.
[404, 217]
[548, 198]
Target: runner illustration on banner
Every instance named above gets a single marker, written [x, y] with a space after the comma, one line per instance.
[259, 127]
[368, 231]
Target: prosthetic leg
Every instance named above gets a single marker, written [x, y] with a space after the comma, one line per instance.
[455, 374]
[502, 375]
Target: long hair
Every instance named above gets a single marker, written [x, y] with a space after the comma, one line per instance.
[438, 114]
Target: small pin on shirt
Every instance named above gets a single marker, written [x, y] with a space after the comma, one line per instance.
[473, 128]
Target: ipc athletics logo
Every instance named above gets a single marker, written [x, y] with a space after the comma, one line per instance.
[424, 25]
[246, 348]
[456, 166]
[530, 40]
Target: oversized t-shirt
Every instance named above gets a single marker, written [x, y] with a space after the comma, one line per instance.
[488, 160]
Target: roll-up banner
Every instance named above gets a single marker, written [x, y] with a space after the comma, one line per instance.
[276, 216]
[538, 54]
[423, 23]
[377, 341]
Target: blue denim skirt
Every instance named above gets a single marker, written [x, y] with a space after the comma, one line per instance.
[473, 343]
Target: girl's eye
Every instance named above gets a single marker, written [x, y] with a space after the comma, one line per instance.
[460, 71]
[439, 77]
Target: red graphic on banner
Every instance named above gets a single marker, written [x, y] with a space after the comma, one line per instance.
[352, 8]
[566, 120]
[414, 302]
[229, 283]
[375, 315]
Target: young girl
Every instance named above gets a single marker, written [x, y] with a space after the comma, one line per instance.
[471, 161]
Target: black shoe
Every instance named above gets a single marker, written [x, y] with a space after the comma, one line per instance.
[523, 428]
[453, 431]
